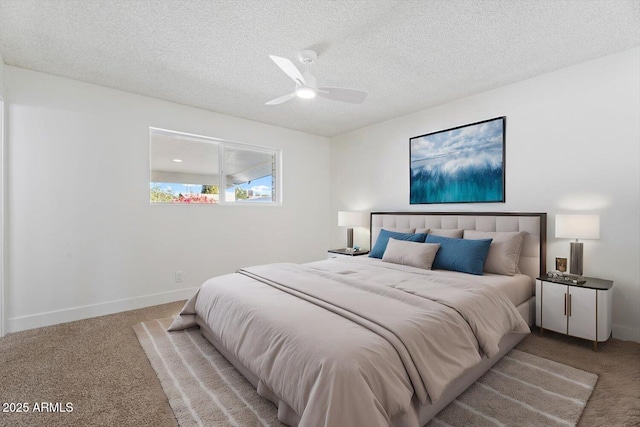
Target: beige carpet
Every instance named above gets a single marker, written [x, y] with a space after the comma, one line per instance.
[95, 364]
[204, 389]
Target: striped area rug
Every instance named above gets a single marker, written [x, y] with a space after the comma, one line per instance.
[204, 389]
[522, 390]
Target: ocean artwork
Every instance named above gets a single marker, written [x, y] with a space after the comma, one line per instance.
[460, 165]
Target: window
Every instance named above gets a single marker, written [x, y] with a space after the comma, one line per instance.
[195, 169]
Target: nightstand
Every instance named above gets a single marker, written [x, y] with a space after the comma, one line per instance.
[335, 253]
[581, 310]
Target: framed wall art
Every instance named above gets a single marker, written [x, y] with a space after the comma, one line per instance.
[465, 164]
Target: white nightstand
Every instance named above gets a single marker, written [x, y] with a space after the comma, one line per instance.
[580, 310]
[335, 253]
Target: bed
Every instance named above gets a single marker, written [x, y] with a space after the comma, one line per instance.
[366, 341]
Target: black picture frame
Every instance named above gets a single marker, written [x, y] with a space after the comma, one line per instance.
[464, 164]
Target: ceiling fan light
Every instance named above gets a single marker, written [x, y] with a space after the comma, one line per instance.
[305, 92]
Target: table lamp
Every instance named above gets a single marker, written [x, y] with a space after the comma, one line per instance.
[577, 227]
[350, 220]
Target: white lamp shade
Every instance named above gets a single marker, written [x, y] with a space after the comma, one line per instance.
[352, 219]
[578, 226]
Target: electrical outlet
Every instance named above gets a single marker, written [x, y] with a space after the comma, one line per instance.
[178, 276]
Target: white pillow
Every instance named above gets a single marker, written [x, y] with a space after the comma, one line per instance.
[504, 252]
[414, 254]
[400, 230]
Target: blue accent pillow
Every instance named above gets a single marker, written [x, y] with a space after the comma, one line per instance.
[464, 255]
[385, 235]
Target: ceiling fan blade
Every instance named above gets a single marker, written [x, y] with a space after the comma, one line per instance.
[281, 99]
[352, 96]
[289, 69]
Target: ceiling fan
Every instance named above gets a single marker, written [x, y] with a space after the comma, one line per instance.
[306, 86]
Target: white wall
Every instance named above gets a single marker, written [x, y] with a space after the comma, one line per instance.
[572, 145]
[1, 76]
[83, 239]
[2, 205]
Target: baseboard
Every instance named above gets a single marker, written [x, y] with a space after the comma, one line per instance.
[626, 334]
[49, 318]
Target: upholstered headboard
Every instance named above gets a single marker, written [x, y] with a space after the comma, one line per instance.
[533, 256]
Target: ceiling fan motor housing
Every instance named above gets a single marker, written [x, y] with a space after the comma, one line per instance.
[308, 56]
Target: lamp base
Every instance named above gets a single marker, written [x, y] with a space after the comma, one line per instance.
[576, 258]
[349, 238]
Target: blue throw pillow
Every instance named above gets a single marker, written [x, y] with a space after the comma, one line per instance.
[464, 255]
[383, 239]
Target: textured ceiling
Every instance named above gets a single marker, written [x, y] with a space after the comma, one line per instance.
[409, 55]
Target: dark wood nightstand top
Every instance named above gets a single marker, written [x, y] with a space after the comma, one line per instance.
[344, 251]
[591, 283]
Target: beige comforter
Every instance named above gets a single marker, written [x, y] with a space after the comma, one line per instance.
[349, 344]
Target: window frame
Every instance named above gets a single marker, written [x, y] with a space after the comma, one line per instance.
[222, 145]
